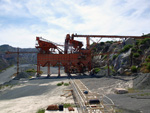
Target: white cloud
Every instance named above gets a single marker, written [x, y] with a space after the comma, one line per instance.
[59, 17]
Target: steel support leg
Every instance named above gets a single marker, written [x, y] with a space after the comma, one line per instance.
[59, 70]
[38, 70]
[48, 70]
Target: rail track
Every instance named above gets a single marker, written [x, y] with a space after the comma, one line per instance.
[90, 102]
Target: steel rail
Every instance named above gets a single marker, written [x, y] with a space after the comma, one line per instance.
[83, 102]
[80, 102]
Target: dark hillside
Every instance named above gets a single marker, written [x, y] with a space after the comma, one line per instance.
[11, 59]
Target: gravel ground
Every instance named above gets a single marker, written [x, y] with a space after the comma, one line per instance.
[31, 95]
[126, 103]
[28, 95]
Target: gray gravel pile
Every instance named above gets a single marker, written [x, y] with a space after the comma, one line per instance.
[142, 81]
[22, 75]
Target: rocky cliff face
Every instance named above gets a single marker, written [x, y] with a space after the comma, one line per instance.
[11, 59]
[126, 57]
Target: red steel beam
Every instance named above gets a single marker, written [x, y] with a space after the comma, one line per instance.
[110, 36]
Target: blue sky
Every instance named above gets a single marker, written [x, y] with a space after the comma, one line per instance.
[22, 20]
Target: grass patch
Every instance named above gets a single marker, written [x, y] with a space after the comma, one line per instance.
[144, 68]
[139, 51]
[96, 70]
[136, 55]
[115, 56]
[148, 66]
[31, 70]
[6, 85]
[144, 94]
[143, 41]
[41, 111]
[60, 84]
[106, 67]
[66, 84]
[105, 56]
[1, 87]
[147, 60]
[126, 48]
[109, 42]
[134, 49]
[66, 105]
[118, 110]
[132, 90]
[30, 77]
[133, 69]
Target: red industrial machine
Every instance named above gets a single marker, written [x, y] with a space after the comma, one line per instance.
[73, 58]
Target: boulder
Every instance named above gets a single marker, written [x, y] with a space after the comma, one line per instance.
[120, 71]
[130, 41]
[52, 107]
[70, 109]
[22, 75]
[120, 91]
[142, 81]
[102, 72]
[143, 47]
[122, 61]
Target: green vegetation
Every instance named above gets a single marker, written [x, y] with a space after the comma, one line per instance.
[146, 35]
[6, 85]
[118, 110]
[41, 72]
[139, 51]
[134, 49]
[105, 56]
[60, 84]
[132, 90]
[148, 66]
[102, 43]
[31, 70]
[144, 94]
[94, 48]
[126, 48]
[109, 42]
[147, 59]
[136, 55]
[145, 67]
[66, 84]
[106, 67]
[115, 56]
[137, 42]
[133, 69]
[112, 69]
[66, 105]
[96, 70]
[41, 111]
[144, 41]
